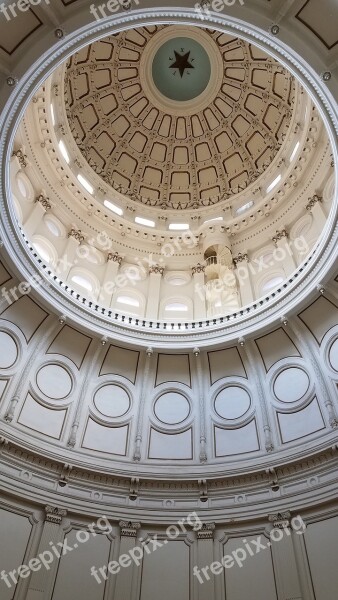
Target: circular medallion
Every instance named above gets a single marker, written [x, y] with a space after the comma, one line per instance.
[232, 402]
[9, 351]
[333, 355]
[291, 385]
[54, 382]
[112, 401]
[181, 69]
[172, 408]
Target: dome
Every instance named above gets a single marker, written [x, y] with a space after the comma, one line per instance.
[168, 306]
[127, 113]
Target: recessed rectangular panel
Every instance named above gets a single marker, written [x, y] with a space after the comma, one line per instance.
[70, 343]
[225, 363]
[119, 361]
[15, 531]
[4, 275]
[25, 314]
[173, 367]
[112, 440]
[3, 385]
[175, 446]
[321, 545]
[321, 19]
[229, 442]
[166, 573]
[301, 423]
[20, 26]
[319, 317]
[255, 579]
[74, 579]
[275, 346]
[41, 419]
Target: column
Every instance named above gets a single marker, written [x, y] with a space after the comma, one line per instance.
[258, 375]
[200, 380]
[108, 285]
[126, 577]
[205, 558]
[199, 292]
[92, 360]
[141, 404]
[243, 277]
[310, 352]
[284, 560]
[67, 260]
[155, 276]
[283, 253]
[315, 207]
[41, 206]
[303, 568]
[41, 581]
[36, 349]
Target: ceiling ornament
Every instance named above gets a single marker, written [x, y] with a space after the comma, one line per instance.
[173, 154]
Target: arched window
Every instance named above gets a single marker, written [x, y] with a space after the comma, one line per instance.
[84, 282]
[129, 302]
[45, 250]
[176, 308]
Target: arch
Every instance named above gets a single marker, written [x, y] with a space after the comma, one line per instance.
[129, 301]
[84, 282]
[176, 307]
[45, 249]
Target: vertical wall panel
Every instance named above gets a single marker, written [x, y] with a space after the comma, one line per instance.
[255, 579]
[74, 579]
[322, 544]
[15, 531]
[166, 573]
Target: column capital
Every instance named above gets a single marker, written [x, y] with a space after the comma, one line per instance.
[21, 156]
[114, 256]
[206, 532]
[313, 201]
[156, 269]
[199, 268]
[129, 528]
[76, 234]
[240, 258]
[280, 235]
[44, 201]
[280, 520]
[54, 514]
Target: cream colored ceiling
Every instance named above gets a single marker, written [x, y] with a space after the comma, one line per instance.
[171, 160]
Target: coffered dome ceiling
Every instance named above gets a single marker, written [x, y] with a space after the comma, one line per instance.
[178, 117]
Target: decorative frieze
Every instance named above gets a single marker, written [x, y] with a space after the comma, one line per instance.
[76, 234]
[54, 514]
[21, 156]
[199, 268]
[114, 257]
[240, 258]
[206, 532]
[280, 520]
[280, 235]
[156, 269]
[44, 201]
[313, 201]
[129, 528]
